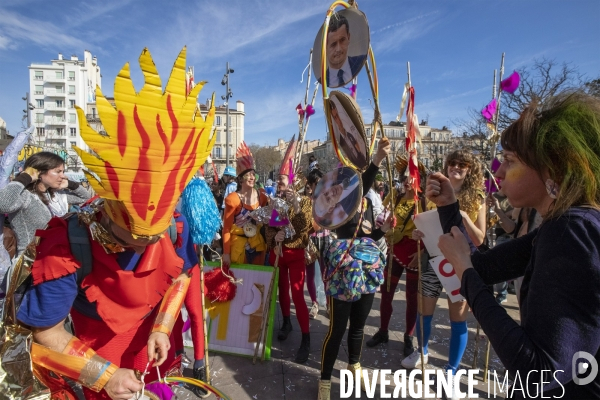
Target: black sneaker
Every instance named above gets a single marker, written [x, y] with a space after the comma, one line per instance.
[285, 330]
[304, 350]
[378, 338]
[200, 374]
[409, 345]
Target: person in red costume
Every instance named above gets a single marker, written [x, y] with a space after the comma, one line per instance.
[125, 301]
[291, 265]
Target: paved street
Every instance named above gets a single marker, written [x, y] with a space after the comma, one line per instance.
[282, 378]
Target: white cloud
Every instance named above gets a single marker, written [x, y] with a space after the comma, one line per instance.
[5, 42]
[392, 37]
[19, 29]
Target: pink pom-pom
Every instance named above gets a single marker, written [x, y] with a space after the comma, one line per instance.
[511, 83]
[300, 110]
[489, 111]
[309, 111]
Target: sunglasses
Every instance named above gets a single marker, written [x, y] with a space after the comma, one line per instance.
[460, 164]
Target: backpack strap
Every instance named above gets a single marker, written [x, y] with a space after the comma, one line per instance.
[81, 248]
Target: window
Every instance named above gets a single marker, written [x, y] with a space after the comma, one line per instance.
[60, 117]
[368, 131]
[218, 136]
[41, 131]
[229, 121]
[39, 75]
[39, 117]
[40, 103]
[60, 104]
[218, 123]
[73, 132]
[60, 131]
[433, 136]
[60, 89]
[73, 144]
[39, 89]
[71, 89]
[93, 111]
[71, 75]
[72, 119]
[229, 136]
[217, 152]
[71, 103]
[59, 74]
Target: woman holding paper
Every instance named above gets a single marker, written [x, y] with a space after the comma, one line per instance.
[464, 174]
[551, 163]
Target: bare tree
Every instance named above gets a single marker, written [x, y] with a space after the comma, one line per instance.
[593, 87]
[544, 79]
[266, 160]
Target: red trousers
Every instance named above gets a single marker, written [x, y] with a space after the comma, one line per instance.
[127, 350]
[402, 250]
[291, 273]
[193, 305]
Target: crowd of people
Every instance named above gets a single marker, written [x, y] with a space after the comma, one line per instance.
[547, 235]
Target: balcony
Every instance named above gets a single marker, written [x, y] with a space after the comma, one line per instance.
[56, 121]
[55, 93]
[54, 79]
[54, 107]
[92, 117]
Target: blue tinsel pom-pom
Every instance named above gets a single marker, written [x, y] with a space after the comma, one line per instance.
[200, 209]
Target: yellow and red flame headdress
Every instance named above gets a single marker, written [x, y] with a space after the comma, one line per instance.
[287, 167]
[155, 144]
[244, 160]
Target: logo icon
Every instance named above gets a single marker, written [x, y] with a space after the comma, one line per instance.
[580, 367]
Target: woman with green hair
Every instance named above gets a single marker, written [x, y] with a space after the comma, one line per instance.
[551, 163]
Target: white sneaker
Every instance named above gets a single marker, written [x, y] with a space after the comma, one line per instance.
[414, 360]
[314, 310]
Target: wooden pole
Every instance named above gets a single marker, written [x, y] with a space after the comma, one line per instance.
[302, 122]
[487, 361]
[265, 322]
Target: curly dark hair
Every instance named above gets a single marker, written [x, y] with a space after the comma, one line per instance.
[470, 195]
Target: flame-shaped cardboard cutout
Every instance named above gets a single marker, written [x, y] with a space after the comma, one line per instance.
[155, 144]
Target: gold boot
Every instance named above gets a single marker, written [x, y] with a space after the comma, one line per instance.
[356, 369]
[324, 390]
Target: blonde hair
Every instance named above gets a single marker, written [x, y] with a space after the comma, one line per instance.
[470, 195]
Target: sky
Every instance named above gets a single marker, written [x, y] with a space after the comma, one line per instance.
[453, 47]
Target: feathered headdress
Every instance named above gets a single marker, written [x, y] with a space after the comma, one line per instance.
[402, 163]
[287, 166]
[244, 160]
[155, 144]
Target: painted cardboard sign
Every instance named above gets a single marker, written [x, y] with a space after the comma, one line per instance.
[233, 327]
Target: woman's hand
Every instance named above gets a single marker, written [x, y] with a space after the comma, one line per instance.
[456, 250]
[439, 190]
[383, 149]
[414, 261]
[64, 184]
[417, 235]
[389, 222]
[280, 236]
[492, 201]
[226, 259]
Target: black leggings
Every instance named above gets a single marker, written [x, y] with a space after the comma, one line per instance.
[339, 313]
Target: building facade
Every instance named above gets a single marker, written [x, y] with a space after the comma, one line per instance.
[54, 90]
[236, 133]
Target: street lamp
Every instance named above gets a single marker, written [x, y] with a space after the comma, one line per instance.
[228, 95]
